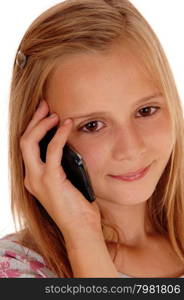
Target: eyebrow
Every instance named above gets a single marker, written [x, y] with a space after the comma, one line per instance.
[146, 98]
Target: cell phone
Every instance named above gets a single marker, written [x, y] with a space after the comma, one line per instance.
[73, 165]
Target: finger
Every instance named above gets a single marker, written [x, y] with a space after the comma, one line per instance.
[41, 112]
[55, 147]
[30, 144]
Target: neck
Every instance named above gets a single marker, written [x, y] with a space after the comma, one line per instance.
[131, 222]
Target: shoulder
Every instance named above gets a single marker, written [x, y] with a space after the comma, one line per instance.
[19, 261]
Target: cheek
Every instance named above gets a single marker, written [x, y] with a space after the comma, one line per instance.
[94, 156]
[161, 137]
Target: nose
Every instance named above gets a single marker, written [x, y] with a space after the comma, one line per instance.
[129, 144]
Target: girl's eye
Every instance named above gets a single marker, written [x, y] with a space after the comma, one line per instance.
[146, 111]
[91, 126]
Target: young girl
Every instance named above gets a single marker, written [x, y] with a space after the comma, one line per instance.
[98, 65]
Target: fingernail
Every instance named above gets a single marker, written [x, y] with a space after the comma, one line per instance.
[66, 122]
[41, 104]
[53, 115]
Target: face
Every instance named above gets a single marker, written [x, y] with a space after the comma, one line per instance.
[130, 127]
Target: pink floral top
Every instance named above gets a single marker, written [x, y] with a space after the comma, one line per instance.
[17, 261]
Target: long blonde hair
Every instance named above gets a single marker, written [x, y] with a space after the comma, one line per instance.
[68, 28]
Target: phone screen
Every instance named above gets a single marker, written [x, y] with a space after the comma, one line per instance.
[73, 165]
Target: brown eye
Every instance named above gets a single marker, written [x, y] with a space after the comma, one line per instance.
[90, 126]
[148, 111]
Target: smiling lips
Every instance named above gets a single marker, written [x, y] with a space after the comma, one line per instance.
[133, 176]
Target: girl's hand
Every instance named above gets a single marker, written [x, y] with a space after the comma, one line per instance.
[66, 205]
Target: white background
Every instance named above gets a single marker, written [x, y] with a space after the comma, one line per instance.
[166, 18]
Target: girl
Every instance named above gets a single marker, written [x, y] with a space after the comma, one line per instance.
[96, 71]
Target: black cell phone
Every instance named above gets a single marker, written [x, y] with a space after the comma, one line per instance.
[73, 165]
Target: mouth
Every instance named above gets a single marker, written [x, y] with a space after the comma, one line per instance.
[133, 176]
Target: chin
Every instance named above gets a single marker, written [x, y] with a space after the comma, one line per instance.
[126, 197]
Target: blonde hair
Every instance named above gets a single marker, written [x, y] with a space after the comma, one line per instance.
[68, 28]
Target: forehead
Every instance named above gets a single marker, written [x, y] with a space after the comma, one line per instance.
[82, 79]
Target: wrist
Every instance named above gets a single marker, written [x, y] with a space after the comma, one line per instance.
[83, 237]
